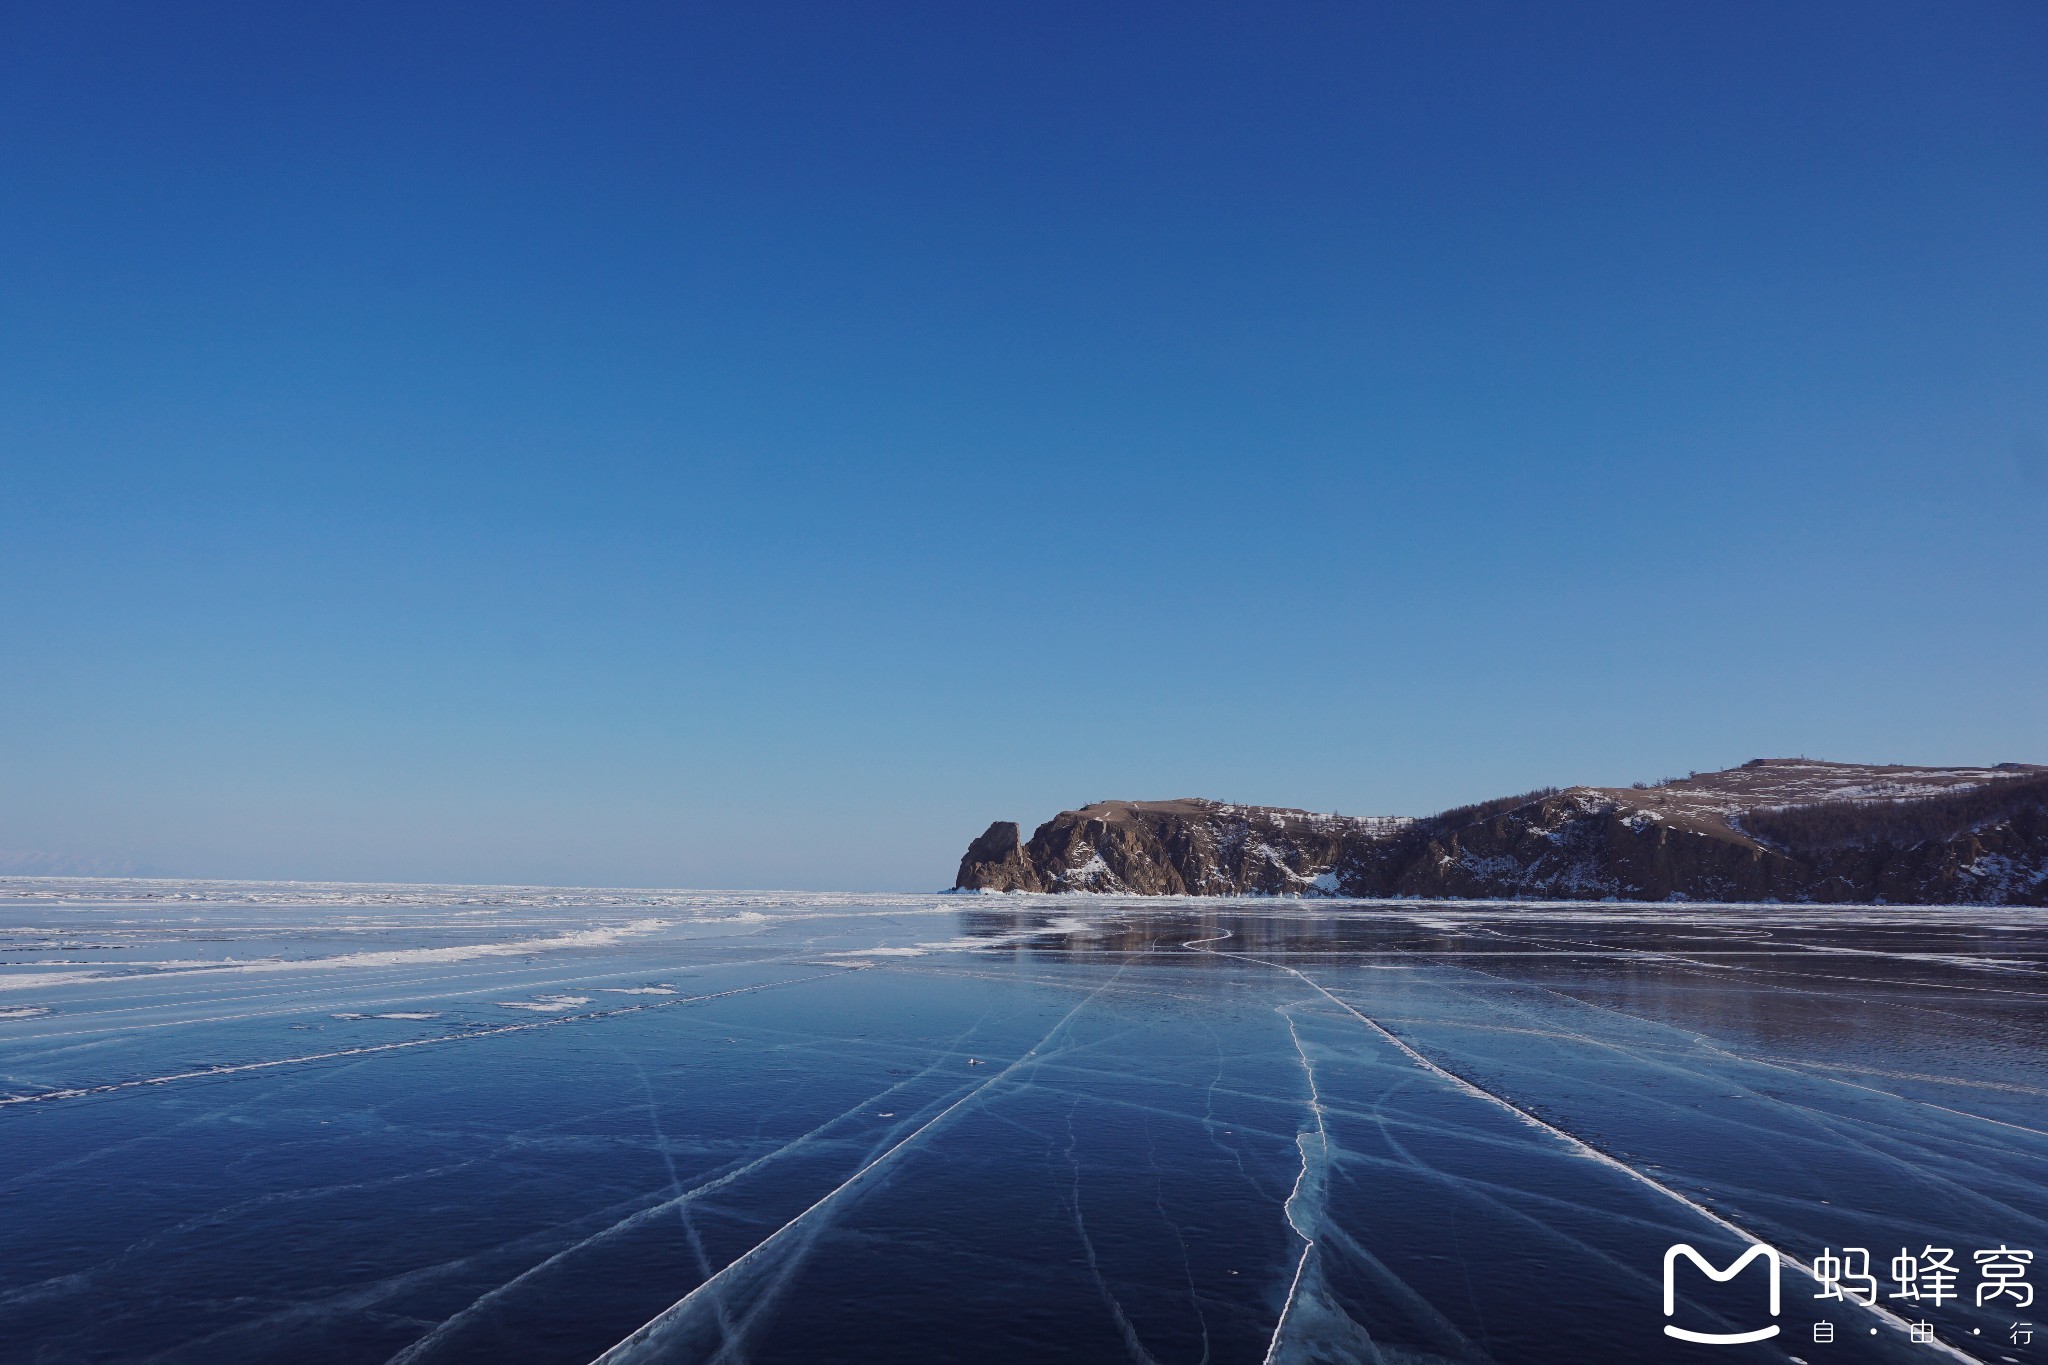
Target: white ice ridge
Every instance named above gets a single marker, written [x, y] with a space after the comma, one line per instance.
[302, 1059]
[1576, 1143]
[1063, 924]
[1295, 1219]
[184, 892]
[391, 957]
[646, 1343]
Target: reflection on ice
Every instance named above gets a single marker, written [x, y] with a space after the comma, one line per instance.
[780, 1127]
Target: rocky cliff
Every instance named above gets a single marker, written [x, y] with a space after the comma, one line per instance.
[1188, 847]
[1773, 829]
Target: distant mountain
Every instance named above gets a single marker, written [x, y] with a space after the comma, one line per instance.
[1788, 829]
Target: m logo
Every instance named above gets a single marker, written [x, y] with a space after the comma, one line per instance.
[1671, 1256]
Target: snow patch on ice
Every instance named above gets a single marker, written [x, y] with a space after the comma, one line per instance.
[392, 957]
[29, 981]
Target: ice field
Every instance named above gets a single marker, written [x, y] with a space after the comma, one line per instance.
[321, 1123]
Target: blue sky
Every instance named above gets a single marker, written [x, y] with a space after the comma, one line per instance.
[759, 445]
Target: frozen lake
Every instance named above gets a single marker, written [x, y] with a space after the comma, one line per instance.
[318, 1123]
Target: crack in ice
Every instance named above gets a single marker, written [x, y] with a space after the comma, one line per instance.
[1295, 1219]
[1578, 1144]
[499, 1031]
[650, 1333]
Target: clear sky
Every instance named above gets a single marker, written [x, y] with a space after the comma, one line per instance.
[758, 444]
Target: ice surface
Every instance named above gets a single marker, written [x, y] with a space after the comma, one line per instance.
[419, 1124]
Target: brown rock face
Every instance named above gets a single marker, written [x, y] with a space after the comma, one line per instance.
[1575, 845]
[996, 862]
[1773, 829]
[1188, 847]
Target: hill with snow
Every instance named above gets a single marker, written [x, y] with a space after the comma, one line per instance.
[1789, 829]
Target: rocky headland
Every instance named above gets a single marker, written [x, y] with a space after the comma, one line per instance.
[1785, 829]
